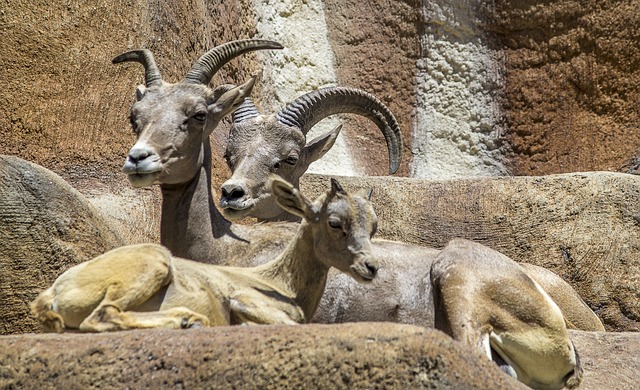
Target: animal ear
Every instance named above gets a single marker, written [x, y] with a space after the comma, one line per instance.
[140, 91]
[232, 99]
[336, 188]
[290, 199]
[319, 146]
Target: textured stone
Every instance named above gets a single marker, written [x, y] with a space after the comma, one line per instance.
[572, 87]
[45, 227]
[610, 360]
[350, 356]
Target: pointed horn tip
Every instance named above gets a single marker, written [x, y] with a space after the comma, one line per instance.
[395, 165]
[131, 55]
[119, 58]
[275, 45]
[265, 43]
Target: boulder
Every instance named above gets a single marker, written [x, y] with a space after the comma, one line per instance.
[610, 360]
[46, 226]
[348, 356]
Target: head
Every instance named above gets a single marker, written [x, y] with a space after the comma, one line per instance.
[341, 226]
[172, 122]
[260, 145]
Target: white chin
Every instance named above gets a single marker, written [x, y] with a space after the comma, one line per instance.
[360, 278]
[236, 215]
[142, 180]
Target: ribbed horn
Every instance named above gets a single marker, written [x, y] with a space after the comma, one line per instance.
[203, 70]
[143, 56]
[247, 110]
[311, 108]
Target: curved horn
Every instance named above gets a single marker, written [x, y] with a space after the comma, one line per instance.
[203, 70]
[311, 108]
[247, 110]
[143, 56]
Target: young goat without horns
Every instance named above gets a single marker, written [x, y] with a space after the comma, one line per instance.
[143, 286]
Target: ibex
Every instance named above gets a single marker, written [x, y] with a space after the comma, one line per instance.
[178, 158]
[172, 123]
[143, 286]
[262, 144]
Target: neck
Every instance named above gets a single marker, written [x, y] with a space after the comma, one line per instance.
[190, 222]
[284, 217]
[299, 271]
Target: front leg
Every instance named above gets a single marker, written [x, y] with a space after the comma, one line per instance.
[487, 301]
[109, 318]
[249, 306]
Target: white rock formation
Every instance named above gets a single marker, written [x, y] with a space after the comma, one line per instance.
[305, 64]
[459, 123]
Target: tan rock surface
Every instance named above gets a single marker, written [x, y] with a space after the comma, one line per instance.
[610, 360]
[353, 356]
[350, 356]
[572, 85]
[45, 227]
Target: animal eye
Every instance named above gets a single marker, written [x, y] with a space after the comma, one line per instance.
[134, 124]
[292, 160]
[200, 116]
[335, 224]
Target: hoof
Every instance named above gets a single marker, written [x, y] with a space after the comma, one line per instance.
[194, 322]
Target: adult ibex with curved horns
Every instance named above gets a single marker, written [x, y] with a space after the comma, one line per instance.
[177, 156]
[172, 123]
[262, 144]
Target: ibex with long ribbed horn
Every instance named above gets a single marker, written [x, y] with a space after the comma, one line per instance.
[262, 144]
[172, 123]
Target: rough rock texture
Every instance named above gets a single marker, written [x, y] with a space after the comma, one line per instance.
[350, 356]
[567, 100]
[376, 46]
[583, 226]
[45, 227]
[460, 122]
[572, 83]
[610, 360]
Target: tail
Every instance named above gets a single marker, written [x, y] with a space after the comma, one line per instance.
[573, 379]
[42, 309]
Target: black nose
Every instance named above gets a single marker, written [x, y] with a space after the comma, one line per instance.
[138, 154]
[373, 270]
[232, 192]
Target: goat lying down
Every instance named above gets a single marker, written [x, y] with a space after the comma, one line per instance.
[102, 294]
[476, 295]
